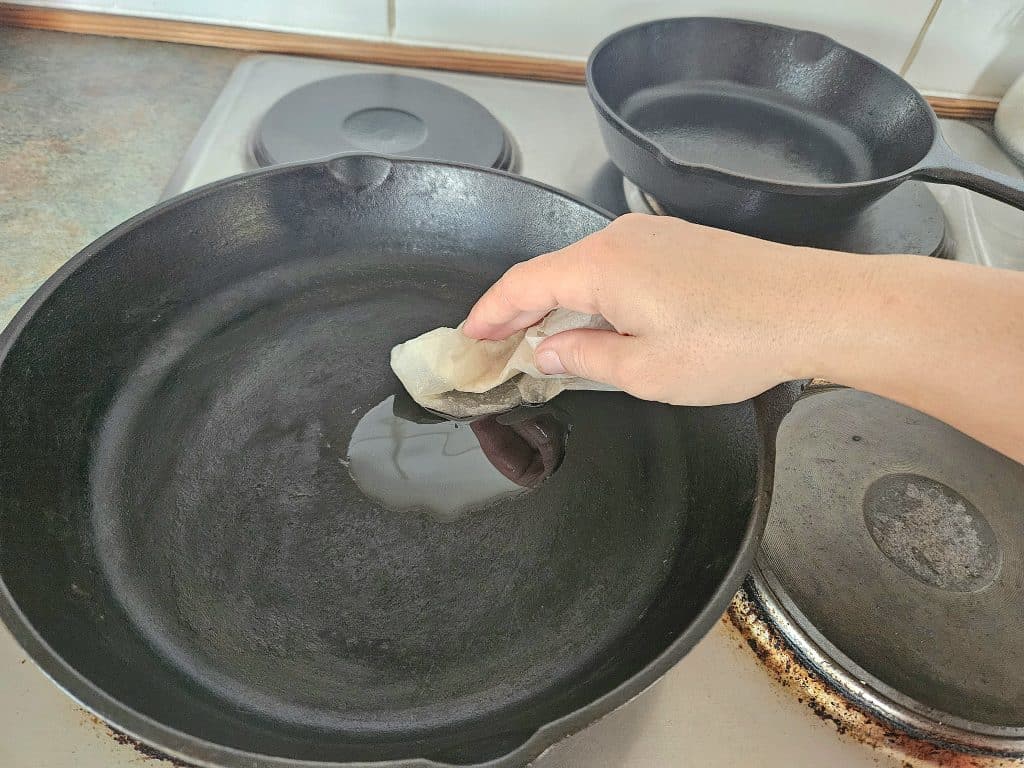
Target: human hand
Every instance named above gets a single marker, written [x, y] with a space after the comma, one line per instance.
[703, 316]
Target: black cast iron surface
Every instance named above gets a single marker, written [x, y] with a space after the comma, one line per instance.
[183, 550]
[764, 129]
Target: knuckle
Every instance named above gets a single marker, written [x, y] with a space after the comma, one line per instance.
[514, 272]
[632, 219]
[623, 234]
[609, 246]
[505, 288]
[614, 234]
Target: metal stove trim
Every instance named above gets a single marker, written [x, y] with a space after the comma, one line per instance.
[640, 201]
[886, 717]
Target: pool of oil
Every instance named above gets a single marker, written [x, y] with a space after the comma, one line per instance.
[409, 459]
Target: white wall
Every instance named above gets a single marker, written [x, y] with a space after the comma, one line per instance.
[968, 47]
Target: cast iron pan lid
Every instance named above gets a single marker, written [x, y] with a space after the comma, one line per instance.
[391, 114]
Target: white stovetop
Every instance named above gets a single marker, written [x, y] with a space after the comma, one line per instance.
[718, 707]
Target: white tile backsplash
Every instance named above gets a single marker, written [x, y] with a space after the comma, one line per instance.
[884, 29]
[972, 47]
[332, 17]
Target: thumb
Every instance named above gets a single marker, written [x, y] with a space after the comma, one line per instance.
[592, 354]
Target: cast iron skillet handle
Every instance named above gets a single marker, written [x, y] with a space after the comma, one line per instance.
[770, 408]
[944, 166]
[773, 405]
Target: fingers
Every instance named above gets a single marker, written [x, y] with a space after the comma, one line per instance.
[531, 289]
[604, 356]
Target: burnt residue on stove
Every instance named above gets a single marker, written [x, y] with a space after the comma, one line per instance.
[146, 751]
[747, 620]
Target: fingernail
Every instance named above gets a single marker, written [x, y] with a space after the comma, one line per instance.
[548, 362]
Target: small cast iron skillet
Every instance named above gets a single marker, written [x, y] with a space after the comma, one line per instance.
[764, 129]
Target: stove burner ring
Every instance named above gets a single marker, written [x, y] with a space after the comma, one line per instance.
[907, 220]
[888, 579]
[805, 663]
[932, 533]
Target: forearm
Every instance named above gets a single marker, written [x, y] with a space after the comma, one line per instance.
[941, 337]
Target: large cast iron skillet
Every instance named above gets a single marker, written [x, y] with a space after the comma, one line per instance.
[765, 129]
[183, 550]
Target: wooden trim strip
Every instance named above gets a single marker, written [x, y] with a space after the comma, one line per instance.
[963, 109]
[374, 52]
[244, 39]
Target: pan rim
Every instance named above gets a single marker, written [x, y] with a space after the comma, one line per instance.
[201, 752]
[612, 117]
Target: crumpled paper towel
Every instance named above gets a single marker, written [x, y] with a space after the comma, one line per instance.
[447, 372]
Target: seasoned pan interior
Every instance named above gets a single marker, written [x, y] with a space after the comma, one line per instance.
[761, 101]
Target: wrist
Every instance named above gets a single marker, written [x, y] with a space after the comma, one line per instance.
[845, 315]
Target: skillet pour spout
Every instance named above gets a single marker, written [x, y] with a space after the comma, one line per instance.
[184, 551]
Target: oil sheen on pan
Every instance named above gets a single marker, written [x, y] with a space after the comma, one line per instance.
[414, 461]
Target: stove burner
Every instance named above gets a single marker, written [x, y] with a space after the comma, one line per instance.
[931, 532]
[907, 220]
[386, 113]
[383, 129]
[895, 544]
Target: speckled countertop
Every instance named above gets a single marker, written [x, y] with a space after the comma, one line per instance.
[90, 130]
